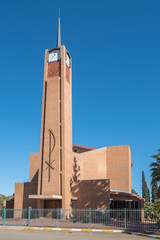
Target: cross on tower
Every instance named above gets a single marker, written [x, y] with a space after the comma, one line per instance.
[51, 148]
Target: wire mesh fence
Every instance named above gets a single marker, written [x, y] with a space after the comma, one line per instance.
[149, 221]
[140, 220]
[16, 217]
[44, 217]
[1, 217]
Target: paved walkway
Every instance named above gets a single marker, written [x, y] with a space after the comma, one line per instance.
[18, 233]
[25, 233]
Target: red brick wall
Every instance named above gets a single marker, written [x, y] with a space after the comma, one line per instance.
[8, 203]
[53, 69]
[22, 192]
[67, 74]
[35, 164]
[93, 194]
[118, 167]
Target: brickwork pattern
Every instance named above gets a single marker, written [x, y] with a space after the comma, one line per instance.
[96, 167]
[21, 198]
[53, 69]
[93, 194]
[67, 74]
[34, 167]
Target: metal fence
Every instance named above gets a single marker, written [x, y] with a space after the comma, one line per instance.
[133, 220]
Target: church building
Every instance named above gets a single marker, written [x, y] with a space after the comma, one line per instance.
[63, 175]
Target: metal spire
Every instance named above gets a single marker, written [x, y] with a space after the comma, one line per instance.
[59, 32]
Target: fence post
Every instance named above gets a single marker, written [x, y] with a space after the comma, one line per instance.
[4, 216]
[125, 218]
[89, 217]
[57, 217]
[29, 215]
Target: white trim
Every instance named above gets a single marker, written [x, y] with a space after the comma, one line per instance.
[45, 197]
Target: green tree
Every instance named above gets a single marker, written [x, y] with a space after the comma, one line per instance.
[148, 194]
[3, 197]
[155, 167]
[145, 189]
[148, 205]
[154, 190]
[143, 185]
[152, 206]
[156, 205]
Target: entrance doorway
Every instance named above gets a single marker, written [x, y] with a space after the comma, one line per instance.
[51, 208]
[52, 204]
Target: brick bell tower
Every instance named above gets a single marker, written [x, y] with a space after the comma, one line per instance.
[56, 129]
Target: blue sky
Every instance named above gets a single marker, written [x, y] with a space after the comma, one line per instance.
[115, 48]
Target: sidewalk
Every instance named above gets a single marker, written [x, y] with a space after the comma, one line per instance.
[12, 228]
[18, 228]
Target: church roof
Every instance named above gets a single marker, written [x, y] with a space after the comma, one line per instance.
[79, 146]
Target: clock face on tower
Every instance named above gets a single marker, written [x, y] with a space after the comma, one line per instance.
[67, 60]
[54, 56]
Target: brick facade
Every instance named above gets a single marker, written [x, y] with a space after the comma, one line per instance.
[53, 69]
[61, 173]
[93, 194]
[67, 74]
